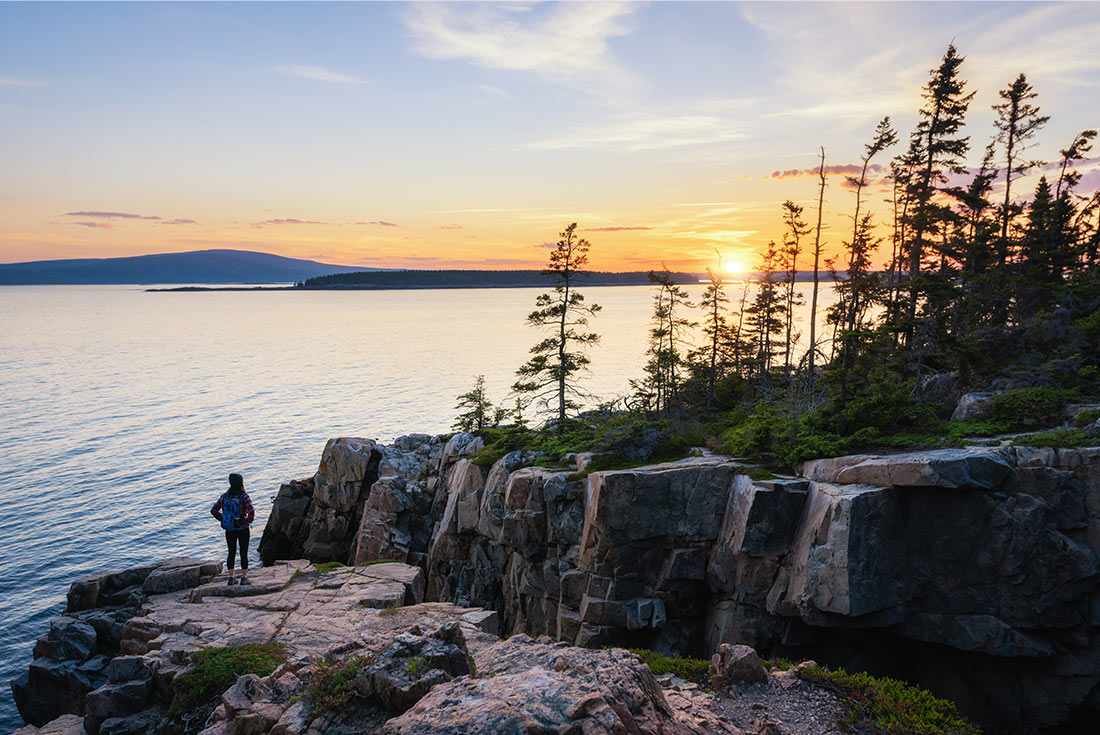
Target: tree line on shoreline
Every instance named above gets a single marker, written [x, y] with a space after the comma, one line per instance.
[983, 289]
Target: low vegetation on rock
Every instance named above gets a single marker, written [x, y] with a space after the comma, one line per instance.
[892, 706]
[215, 669]
[332, 685]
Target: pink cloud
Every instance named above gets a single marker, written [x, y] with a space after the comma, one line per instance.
[287, 221]
[108, 215]
[846, 169]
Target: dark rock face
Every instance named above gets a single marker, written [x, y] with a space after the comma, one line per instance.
[287, 527]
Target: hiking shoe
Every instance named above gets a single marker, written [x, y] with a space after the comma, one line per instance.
[244, 580]
[231, 580]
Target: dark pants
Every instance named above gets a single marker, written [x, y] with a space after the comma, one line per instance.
[232, 539]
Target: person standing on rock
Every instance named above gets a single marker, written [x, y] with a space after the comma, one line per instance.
[234, 510]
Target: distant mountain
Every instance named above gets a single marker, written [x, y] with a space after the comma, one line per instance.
[199, 266]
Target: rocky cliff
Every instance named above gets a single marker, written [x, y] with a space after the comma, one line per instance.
[972, 571]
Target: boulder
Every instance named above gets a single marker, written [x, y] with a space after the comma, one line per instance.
[115, 701]
[736, 664]
[69, 639]
[412, 665]
[524, 686]
[973, 405]
[246, 691]
[140, 723]
[131, 668]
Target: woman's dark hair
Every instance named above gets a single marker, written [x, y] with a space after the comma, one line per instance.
[236, 484]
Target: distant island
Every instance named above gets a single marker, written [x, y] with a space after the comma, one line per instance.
[198, 266]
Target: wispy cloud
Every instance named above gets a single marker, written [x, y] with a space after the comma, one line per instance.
[287, 221]
[846, 169]
[180, 222]
[96, 225]
[645, 132]
[13, 82]
[319, 74]
[383, 223]
[614, 229]
[489, 209]
[109, 215]
[563, 42]
[449, 227]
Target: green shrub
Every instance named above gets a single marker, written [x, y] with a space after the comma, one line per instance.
[893, 706]
[1058, 439]
[689, 669]
[386, 612]
[1028, 408]
[333, 686]
[215, 670]
[1086, 417]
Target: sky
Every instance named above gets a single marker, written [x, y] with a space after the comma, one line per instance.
[429, 135]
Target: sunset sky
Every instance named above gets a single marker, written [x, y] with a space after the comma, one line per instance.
[467, 135]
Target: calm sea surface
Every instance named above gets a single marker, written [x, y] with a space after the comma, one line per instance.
[122, 412]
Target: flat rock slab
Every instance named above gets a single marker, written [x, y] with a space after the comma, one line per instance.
[262, 581]
[979, 468]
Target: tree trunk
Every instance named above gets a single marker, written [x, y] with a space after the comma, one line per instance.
[817, 256]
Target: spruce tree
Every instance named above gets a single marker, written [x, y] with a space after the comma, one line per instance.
[550, 376]
[475, 407]
[939, 148]
[1017, 123]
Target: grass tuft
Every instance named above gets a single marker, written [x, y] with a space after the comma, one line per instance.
[332, 686]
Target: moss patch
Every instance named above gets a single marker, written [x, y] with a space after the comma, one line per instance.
[215, 670]
[893, 706]
[327, 566]
[689, 669]
[380, 561]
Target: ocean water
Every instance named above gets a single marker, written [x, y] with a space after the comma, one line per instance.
[122, 412]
